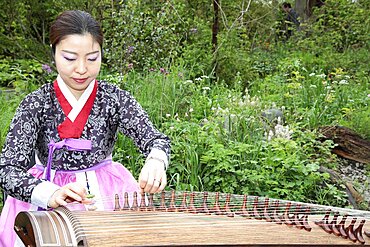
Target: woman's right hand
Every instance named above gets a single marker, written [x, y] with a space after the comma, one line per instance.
[72, 192]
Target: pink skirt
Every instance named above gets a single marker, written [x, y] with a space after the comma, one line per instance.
[114, 176]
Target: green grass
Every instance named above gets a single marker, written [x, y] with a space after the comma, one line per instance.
[220, 141]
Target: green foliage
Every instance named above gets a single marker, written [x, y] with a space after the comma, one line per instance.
[209, 102]
[127, 153]
[339, 25]
[142, 34]
[317, 90]
[25, 33]
[26, 24]
[24, 75]
[8, 102]
[219, 140]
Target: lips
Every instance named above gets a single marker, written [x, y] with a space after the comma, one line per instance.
[80, 80]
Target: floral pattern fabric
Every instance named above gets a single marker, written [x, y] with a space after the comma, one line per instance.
[35, 124]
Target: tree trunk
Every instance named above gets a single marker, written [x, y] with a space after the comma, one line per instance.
[215, 26]
[300, 7]
[304, 7]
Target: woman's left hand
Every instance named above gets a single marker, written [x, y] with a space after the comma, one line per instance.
[153, 178]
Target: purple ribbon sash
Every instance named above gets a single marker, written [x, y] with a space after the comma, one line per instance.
[71, 144]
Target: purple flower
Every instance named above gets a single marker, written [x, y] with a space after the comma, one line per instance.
[46, 68]
[130, 65]
[163, 71]
[130, 49]
[151, 69]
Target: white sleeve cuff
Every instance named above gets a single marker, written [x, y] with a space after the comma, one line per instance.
[42, 193]
[159, 155]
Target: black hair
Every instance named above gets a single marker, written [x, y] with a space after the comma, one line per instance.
[287, 5]
[74, 22]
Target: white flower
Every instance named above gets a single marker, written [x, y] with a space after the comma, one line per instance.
[312, 74]
[168, 115]
[191, 110]
[270, 135]
[283, 131]
[343, 82]
[279, 131]
[206, 88]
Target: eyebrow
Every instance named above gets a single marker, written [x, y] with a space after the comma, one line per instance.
[93, 52]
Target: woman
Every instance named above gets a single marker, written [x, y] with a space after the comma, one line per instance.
[71, 127]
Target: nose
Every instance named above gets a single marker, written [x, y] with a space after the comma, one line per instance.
[81, 67]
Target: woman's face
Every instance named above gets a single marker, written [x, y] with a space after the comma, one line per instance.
[78, 60]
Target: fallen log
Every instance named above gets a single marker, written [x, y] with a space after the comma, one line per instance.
[349, 144]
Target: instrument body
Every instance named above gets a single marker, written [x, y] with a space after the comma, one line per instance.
[171, 223]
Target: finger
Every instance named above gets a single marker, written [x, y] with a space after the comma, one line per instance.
[60, 201]
[151, 183]
[78, 189]
[154, 188]
[143, 178]
[163, 182]
[157, 180]
[70, 195]
[87, 201]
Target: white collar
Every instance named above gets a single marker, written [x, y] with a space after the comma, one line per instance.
[76, 105]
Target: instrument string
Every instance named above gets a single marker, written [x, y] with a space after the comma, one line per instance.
[128, 229]
[129, 223]
[272, 206]
[88, 225]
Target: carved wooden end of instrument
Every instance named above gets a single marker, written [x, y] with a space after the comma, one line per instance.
[47, 228]
[195, 218]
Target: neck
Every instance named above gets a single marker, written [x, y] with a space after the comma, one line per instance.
[76, 93]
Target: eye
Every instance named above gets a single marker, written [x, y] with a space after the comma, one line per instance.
[92, 58]
[69, 59]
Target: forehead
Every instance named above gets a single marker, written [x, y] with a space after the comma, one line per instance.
[78, 41]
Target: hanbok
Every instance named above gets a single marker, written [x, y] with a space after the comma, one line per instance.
[73, 141]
